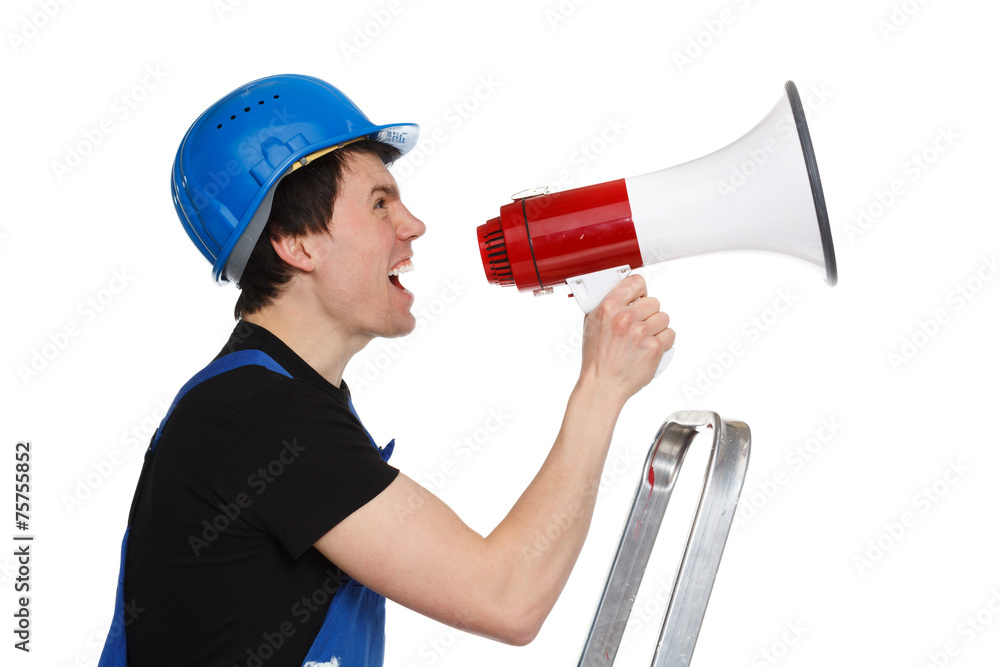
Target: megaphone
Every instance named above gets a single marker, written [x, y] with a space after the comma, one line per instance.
[761, 192]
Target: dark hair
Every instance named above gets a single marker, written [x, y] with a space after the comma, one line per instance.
[302, 204]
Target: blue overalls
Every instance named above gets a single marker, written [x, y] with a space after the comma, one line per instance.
[353, 631]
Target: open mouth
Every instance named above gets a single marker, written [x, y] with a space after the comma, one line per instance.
[403, 267]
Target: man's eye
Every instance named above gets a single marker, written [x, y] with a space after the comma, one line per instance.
[380, 203]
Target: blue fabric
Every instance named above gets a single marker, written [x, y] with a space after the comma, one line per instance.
[353, 631]
[115, 652]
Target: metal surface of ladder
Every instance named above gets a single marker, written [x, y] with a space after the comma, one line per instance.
[726, 470]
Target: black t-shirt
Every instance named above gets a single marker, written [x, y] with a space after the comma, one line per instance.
[251, 469]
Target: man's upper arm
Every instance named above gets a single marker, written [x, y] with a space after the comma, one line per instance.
[407, 545]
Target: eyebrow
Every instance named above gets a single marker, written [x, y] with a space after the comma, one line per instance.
[391, 191]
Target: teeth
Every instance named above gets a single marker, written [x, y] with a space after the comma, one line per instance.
[405, 267]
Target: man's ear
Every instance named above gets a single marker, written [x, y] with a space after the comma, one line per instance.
[295, 251]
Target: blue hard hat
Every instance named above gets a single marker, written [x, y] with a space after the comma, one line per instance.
[233, 156]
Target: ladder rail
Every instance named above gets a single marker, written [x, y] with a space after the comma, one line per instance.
[692, 586]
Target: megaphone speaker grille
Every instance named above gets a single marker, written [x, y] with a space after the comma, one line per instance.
[493, 250]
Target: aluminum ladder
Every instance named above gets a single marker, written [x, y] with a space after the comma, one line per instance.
[692, 586]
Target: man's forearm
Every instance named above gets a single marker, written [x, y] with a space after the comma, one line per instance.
[541, 537]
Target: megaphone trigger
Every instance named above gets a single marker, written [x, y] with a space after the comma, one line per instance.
[591, 288]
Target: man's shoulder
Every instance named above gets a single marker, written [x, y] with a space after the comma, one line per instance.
[256, 383]
[258, 394]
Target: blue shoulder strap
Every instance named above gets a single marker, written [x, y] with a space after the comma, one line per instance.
[115, 653]
[217, 367]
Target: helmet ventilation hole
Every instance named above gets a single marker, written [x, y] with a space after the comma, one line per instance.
[245, 109]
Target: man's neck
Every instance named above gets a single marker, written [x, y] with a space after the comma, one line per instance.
[319, 343]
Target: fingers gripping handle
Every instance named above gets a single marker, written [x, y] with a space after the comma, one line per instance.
[589, 289]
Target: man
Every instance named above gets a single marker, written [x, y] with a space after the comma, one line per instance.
[267, 526]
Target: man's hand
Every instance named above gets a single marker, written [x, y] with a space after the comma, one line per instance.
[624, 338]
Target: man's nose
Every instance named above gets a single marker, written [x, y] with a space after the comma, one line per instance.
[411, 226]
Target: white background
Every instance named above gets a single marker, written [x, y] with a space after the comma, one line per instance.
[887, 382]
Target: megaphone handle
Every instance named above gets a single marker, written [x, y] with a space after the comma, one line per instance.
[590, 288]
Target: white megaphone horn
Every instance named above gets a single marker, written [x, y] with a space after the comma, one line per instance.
[761, 192]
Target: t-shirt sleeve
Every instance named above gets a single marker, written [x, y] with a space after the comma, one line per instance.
[297, 462]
